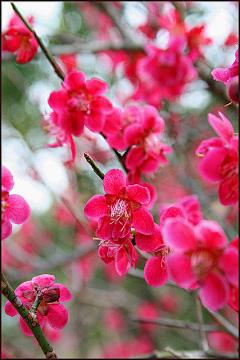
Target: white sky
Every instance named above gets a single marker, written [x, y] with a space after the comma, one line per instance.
[47, 16]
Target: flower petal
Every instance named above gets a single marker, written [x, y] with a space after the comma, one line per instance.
[122, 262]
[139, 193]
[114, 181]
[6, 229]
[211, 164]
[7, 179]
[178, 235]
[143, 221]
[44, 279]
[18, 210]
[57, 316]
[180, 271]
[58, 100]
[10, 309]
[65, 294]
[75, 80]
[149, 242]
[96, 207]
[154, 273]
[229, 263]
[215, 292]
[96, 87]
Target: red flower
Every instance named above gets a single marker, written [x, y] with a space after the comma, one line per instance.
[220, 159]
[120, 208]
[14, 208]
[146, 135]
[49, 308]
[80, 103]
[18, 38]
[199, 258]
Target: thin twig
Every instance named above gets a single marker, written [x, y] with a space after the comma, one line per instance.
[173, 323]
[202, 338]
[94, 166]
[55, 66]
[58, 261]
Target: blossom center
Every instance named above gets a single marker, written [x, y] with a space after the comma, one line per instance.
[203, 261]
[80, 101]
[120, 210]
[152, 142]
[4, 203]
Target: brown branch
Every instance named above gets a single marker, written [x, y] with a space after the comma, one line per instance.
[173, 323]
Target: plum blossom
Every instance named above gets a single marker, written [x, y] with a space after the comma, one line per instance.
[146, 135]
[199, 258]
[219, 161]
[80, 102]
[18, 39]
[230, 77]
[117, 212]
[49, 309]
[14, 208]
[164, 74]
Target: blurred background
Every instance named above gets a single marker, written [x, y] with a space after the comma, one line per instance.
[57, 239]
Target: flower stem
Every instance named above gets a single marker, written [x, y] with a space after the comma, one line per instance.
[94, 166]
[31, 321]
[50, 58]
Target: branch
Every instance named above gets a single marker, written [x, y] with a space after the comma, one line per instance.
[58, 261]
[30, 319]
[94, 166]
[55, 66]
[173, 323]
[202, 338]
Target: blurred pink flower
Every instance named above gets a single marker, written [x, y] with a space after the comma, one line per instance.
[198, 258]
[14, 208]
[220, 159]
[49, 308]
[222, 343]
[18, 39]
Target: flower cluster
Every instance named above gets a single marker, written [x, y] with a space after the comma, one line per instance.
[192, 252]
[14, 208]
[220, 159]
[49, 308]
[117, 212]
[18, 39]
[78, 103]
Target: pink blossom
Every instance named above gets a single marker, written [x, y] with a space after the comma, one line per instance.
[220, 159]
[146, 136]
[49, 309]
[230, 77]
[222, 343]
[148, 310]
[18, 39]
[123, 255]
[164, 73]
[191, 205]
[224, 75]
[14, 208]
[199, 258]
[120, 208]
[52, 127]
[80, 102]
[117, 212]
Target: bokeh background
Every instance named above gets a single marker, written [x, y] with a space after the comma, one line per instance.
[53, 240]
